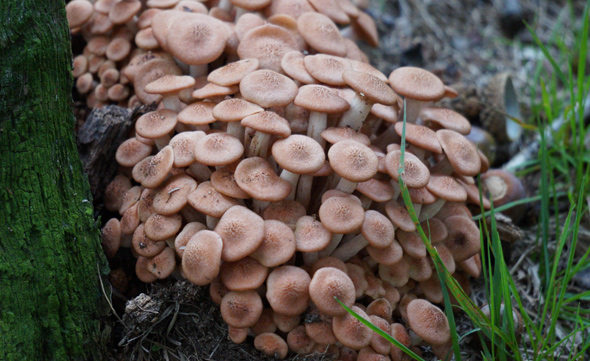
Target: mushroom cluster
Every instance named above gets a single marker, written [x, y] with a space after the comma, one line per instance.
[269, 170]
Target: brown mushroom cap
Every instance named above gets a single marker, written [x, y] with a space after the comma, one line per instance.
[218, 149]
[428, 322]
[461, 153]
[244, 274]
[198, 113]
[160, 228]
[169, 84]
[115, 191]
[371, 87]
[267, 43]
[235, 109]
[327, 284]
[411, 243]
[242, 232]
[241, 308]
[257, 178]
[232, 73]
[416, 174]
[156, 124]
[292, 64]
[327, 69]
[350, 331]
[353, 161]
[463, 237]
[286, 211]
[299, 342]
[377, 229]
[446, 118]
[78, 13]
[183, 145]
[278, 245]
[269, 123]
[419, 135]
[171, 196]
[334, 135]
[111, 237]
[152, 171]
[399, 216]
[182, 239]
[288, 290]
[268, 88]
[386, 256]
[209, 201]
[375, 189]
[319, 98]
[341, 214]
[299, 154]
[321, 33]
[272, 345]
[416, 83]
[163, 264]
[446, 187]
[224, 182]
[311, 235]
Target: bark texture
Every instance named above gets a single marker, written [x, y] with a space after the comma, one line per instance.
[50, 256]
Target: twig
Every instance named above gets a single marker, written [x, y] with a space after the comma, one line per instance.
[105, 294]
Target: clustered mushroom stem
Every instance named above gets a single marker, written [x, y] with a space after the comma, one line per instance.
[239, 12]
[387, 137]
[346, 186]
[172, 102]
[365, 201]
[259, 145]
[162, 141]
[334, 242]
[418, 152]
[259, 205]
[292, 178]
[197, 71]
[356, 115]
[430, 210]
[442, 167]
[350, 248]
[183, 66]
[317, 124]
[309, 258]
[304, 190]
[413, 108]
[235, 129]
[201, 172]
[212, 222]
[225, 5]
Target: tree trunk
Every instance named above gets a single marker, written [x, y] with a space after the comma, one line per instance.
[50, 256]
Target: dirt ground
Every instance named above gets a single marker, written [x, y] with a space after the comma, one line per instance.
[463, 41]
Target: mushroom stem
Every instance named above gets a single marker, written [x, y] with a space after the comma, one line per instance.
[309, 258]
[356, 115]
[212, 222]
[259, 205]
[350, 248]
[198, 71]
[259, 145]
[162, 141]
[365, 201]
[418, 152]
[443, 167]
[172, 102]
[235, 129]
[317, 124]
[387, 137]
[431, 210]
[346, 186]
[225, 5]
[413, 108]
[200, 171]
[334, 242]
[304, 190]
[292, 178]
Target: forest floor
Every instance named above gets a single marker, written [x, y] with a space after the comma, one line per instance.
[462, 41]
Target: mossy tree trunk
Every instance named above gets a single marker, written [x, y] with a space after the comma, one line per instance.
[50, 256]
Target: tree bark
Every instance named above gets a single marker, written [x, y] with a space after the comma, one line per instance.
[50, 255]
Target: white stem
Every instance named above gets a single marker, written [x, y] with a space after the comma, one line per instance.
[350, 248]
[292, 178]
[346, 186]
[304, 190]
[200, 171]
[162, 141]
[317, 124]
[235, 129]
[334, 242]
[259, 145]
[413, 108]
[365, 201]
[212, 222]
[198, 71]
[387, 137]
[356, 115]
[172, 102]
[442, 167]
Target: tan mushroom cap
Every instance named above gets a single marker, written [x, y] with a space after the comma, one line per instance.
[211, 90]
[241, 308]
[247, 22]
[198, 113]
[242, 275]
[299, 154]
[124, 11]
[299, 342]
[428, 322]
[111, 237]
[332, 10]
[376, 189]
[399, 216]
[327, 284]
[278, 245]
[143, 246]
[131, 152]
[183, 144]
[463, 237]
[311, 235]
[242, 232]
[461, 153]
[129, 220]
[399, 332]
[292, 64]
[234, 110]
[319, 98]
[209, 201]
[446, 187]
[321, 33]
[269, 123]
[145, 204]
[218, 149]
[152, 171]
[201, 258]
[271, 345]
[416, 174]
[350, 331]
[377, 229]
[78, 13]
[130, 197]
[267, 43]
[115, 191]
[287, 290]
[447, 119]
[421, 196]
[411, 243]
[268, 88]
[118, 49]
[172, 195]
[257, 178]
[160, 228]
[371, 87]
[353, 161]
[419, 135]
[435, 230]
[235, 334]
[416, 83]
[182, 239]
[198, 39]
[170, 84]
[334, 135]
[156, 124]
[150, 71]
[386, 256]
[327, 69]
[388, 113]
[163, 264]
[364, 25]
[224, 181]
[341, 214]
[294, 8]
[142, 272]
[287, 211]
[328, 262]
[232, 73]
[145, 19]
[379, 345]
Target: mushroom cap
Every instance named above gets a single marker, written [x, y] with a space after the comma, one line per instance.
[207, 200]
[235, 109]
[170, 84]
[341, 214]
[299, 342]
[189, 230]
[278, 245]
[327, 284]
[268, 88]
[416, 174]
[446, 187]
[321, 33]
[152, 171]
[162, 264]
[299, 154]
[396, 274]
[211, 90]
[183, 144]
[292, 64]
[399, 216]
[287, 290]
[150, 71]
[224, 182]
[320, 98]
[376, 189]
[411, 243]
[267, 43]
[311, 235]
[461, 153]
[428, 322]
[504, 187]
[242, 275]
[446, 118]
[269, 123]
[156, 124]
[386, 256]
[218, 149]
[287, 211]
[463, 237]
[171, 196]
[111, 237]
[232, 73]
[334, 135]
[115, 191]
[257, 178]
[160, 228]
[198, 113]
[353, 161]
[242, 231]
[419, 135]
[78, 13]
[350, 331]
[327, 69]
[372, 88]
[377, 229]
[272, 345]
[416, 83]
[241, 308]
